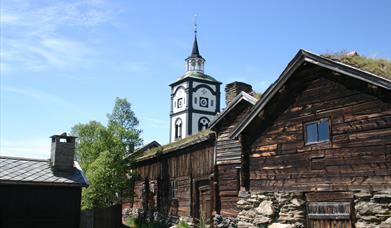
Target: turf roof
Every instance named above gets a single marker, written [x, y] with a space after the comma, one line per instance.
[185, 142]
[378, 66]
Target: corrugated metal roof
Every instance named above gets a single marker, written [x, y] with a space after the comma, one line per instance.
[15, 170]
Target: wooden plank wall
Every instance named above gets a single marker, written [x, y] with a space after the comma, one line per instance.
[228, 157]
[229, 150]
[228, 185]
[182, 167]
[138, 187]
[357, 157]
[182, 203]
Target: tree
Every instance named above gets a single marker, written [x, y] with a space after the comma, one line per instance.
[103, 154]
[123, 123]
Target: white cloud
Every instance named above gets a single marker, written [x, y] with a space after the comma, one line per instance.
[35, 36]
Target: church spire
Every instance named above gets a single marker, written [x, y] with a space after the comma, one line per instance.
[195, 53]
[195, 62]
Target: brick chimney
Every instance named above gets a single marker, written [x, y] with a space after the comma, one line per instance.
[234, 88]
[62, 152]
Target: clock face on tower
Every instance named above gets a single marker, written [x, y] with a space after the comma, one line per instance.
[180, 103]
[204, 102]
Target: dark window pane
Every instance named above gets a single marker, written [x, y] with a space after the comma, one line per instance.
[323, 130]
[311, 133]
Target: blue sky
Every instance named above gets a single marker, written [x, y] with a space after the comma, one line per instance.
[64, 62]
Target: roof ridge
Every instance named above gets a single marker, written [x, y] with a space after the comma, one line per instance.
[24, 159]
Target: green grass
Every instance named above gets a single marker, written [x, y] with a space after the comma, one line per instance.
[378, 66]
[171, 146]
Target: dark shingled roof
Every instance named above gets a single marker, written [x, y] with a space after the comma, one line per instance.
[195, 53]
[27, 171]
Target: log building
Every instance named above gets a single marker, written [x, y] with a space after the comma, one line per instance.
[313, 151]
[316, 148]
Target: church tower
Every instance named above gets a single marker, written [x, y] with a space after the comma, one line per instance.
[195, 97]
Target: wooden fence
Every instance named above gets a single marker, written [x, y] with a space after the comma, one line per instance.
[110, 217]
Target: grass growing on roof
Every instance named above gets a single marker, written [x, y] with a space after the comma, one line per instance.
[174, 145]
[378, 66]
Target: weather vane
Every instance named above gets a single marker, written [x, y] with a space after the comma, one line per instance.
[195, 23]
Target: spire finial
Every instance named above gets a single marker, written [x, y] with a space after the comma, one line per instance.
[195, 24]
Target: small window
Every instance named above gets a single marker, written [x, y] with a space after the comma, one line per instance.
[211, 102]
[173, 189]
[195, 100]
[316, 132]
[178, 129]
[203, 123]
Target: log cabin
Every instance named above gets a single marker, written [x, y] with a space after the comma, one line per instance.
[316, 149]
[196, 176]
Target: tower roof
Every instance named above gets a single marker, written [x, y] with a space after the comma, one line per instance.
[195, 53]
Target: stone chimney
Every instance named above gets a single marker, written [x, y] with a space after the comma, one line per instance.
[62, 152]
[234, 88]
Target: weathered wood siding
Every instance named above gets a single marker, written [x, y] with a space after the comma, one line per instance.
[181, 206]
[150, 171]
[228, 157]
[358, 155]
[181, 166]
[196, 162]
[138, 190]
[228, 186]
[229, 150]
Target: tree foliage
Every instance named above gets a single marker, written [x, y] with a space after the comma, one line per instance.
[123, 123]
[103, 154]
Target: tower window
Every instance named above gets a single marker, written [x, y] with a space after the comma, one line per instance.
[203, 123]
[178, 128]
[211, 103]
[317, 131]
[195, 100]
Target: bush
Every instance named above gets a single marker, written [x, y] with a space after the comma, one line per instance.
[182, 224]
[138, 223]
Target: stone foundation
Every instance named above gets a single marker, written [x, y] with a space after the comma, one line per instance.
[224, 222]
[373, 209]
[288, 210]
[276, 210]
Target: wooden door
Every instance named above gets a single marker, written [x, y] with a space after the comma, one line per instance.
[205, 202]
[329, 214]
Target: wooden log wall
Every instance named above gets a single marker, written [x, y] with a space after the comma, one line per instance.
[228, 157]
[181, 166]
[182, 204]
[138, 187]
[358, 155]
[228, 150]
[228, 186]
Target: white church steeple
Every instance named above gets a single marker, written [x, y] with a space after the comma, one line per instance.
[195, 97]
[195, 62]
